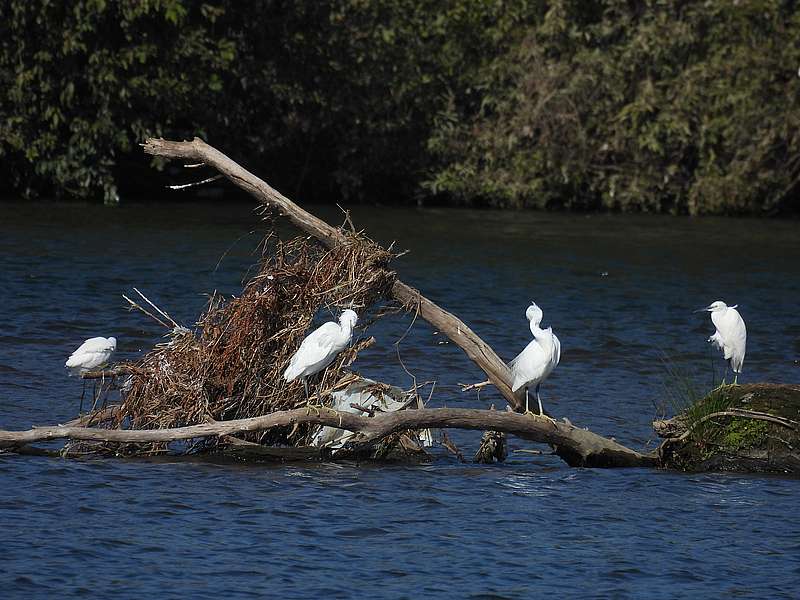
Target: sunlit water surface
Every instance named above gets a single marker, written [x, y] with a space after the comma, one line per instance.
[619, 292]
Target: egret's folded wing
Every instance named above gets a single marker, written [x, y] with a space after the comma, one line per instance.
[739, 333]
[527, 365]
[317, 346]
[95, 344]
[88, 346]
[532, 350]
[556, 350]
[74, 361]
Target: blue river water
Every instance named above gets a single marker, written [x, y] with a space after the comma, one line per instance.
[619, 292]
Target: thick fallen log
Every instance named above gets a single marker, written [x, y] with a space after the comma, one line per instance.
[578, 447]
[476, 349]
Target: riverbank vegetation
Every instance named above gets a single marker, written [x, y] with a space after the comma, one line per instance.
[686, 107]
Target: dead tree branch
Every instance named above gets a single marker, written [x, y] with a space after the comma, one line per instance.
[741, 414]
[575, 446]
[475, 348]
[117, 371]
[578, 447]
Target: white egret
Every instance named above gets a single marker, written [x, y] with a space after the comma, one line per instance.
[730, 336]
[320, 347]
[92, 354]
[535, 363]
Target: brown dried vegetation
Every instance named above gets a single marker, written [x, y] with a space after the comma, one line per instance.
[231, 366]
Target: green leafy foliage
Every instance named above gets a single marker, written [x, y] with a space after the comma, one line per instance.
[338, 98]
[683, 107]
[329, 99]
[84, 81]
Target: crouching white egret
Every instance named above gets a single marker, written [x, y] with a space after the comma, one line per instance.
[320, 348]
[92, 354]
[535, 363]
[730, 336]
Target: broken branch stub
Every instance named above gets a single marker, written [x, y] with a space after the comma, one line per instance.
[475, 348]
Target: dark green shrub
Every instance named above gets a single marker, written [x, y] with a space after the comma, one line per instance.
[682, 107]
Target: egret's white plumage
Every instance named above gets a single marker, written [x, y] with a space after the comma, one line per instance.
[321, 346]
[731, 334]
[91, 354]
[535, 363]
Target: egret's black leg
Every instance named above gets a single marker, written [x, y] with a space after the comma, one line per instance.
[104, 392]
[309, 406]
[94, 394]
[538, 399]
[83, 393]
[541, 410]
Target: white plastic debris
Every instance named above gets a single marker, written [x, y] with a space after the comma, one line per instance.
[358, 393]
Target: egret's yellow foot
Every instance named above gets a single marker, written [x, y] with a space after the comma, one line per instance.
[546, 418]
[540, 416]
[314, 407]
[338, 414]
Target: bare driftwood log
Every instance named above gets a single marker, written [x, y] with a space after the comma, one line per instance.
[476, 349]
[578, 447]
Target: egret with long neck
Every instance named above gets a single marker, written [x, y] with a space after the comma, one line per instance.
[535, 363]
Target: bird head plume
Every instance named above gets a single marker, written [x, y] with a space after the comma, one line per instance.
[348, 318]
[534, 314]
